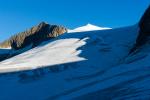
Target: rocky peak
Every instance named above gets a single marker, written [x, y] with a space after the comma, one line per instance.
[144, 32]
[43, 24]
[34, 36]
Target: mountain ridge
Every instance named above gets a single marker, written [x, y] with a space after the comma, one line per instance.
[34, 36]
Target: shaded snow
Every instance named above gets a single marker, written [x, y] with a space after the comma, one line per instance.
[5, 50]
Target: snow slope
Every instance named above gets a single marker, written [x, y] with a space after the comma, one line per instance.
[81, 66]
[94, 48]
[88, 27]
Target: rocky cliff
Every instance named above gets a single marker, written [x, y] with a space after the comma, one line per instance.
[144, 32]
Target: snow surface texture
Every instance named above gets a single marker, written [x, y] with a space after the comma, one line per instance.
[80, 66]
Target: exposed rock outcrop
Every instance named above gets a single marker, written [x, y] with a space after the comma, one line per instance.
[144, 32]
[34, 36]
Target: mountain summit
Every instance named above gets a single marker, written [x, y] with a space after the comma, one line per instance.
[88, 27]
[33, 36]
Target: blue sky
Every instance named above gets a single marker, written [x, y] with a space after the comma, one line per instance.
[19, 15]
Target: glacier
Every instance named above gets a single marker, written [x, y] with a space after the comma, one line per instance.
[79, 65]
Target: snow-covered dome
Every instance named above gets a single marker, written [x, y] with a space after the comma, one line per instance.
[88, 27]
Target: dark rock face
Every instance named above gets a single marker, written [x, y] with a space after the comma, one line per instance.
[144, 32]
[34, 36]
[144, 28]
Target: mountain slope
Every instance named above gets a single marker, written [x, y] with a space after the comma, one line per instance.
[84, 65]
[93, 65]
[29, 39]
[34, 36]
[89, 47]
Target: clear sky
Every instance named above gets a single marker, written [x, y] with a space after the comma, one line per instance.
[19, 15]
